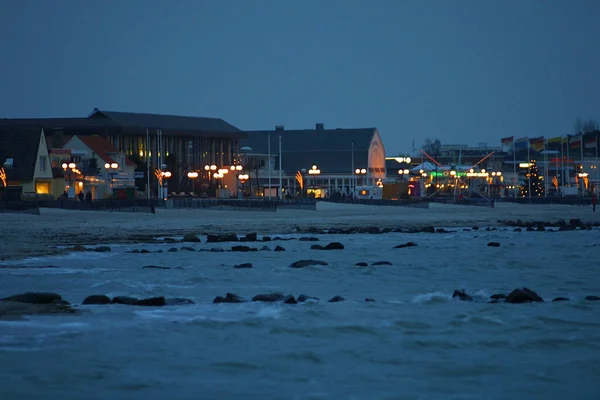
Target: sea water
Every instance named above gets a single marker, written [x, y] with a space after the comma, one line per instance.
[413, 342]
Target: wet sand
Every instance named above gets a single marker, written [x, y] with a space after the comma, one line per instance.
[26, 235]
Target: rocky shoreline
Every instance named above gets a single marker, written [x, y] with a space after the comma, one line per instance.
[42, 303]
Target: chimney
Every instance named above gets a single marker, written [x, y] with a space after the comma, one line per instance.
[320, 126]
[57, 139]
[278, 127]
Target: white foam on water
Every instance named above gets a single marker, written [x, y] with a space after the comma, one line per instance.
[433, 296]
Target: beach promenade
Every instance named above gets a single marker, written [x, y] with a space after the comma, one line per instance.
[28, 235]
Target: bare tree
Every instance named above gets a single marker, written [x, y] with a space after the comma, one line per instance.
[585, 126]
[433, 147]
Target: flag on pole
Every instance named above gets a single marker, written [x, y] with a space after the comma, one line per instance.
[575, 142]
[555, 143]
[521, 143]
[537, 144]
[590, 142]
[508, 144]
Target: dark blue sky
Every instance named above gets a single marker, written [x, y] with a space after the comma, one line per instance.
[466, 71]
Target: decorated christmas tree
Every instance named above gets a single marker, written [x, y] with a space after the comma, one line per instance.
[535, 181]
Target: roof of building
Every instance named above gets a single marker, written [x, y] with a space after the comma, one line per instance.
[100, 121]
[168, 123]
[21, 146]
[102, 148]
[332, 150]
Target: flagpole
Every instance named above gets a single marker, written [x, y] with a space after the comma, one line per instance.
[147, 167]
[280, 196]
[562, 165]
[269, 165]
[545, 169]
[529, 163]
[353, 183]
[515, 169]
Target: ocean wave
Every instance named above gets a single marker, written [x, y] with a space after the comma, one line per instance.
[432, 298]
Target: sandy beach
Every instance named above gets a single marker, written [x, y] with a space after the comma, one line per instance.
[26, 235]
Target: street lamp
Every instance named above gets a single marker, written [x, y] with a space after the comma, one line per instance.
[314, 171]
[243, 178]
[403, 173]
[361, 172]
[111, 167]
[192, 175]
[72, 168]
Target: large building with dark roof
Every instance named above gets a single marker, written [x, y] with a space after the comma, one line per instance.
[181, 143]
[337, 154]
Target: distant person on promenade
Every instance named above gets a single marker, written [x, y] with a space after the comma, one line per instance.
[594, 200]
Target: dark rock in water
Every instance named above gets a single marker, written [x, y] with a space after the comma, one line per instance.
[266, 238]
[523, 295]
[290, 300]
[228, 237]
[462, 295]
[334, 246]
[35, 298]
[407, 244]
[306, 263]
[136, 251]
[233, 298]
[78, 248]
[428, 229]
[124, 300]
[212, 239]
[574, 221]
[368, 299]
[144, 251]
[15, 309]
[279, 248]
[96, 299]
[316, 247]
[362, 264]
[309, 239]
[561, 299]
[229, 298]
[244, 265]
[185, 248]
[243, 248]
[498, 296]
[190, 237]
[152, 301]
[265, 248]
[178, 301]
[173, 250]
[441, 230]
[541, 228]
[269, 298]
[336, 299]
[216, 250]
[592, 298]
[102, 249]
[518, 230]
[530, 229]
[251, 237]
[154, 267]
[475, 228]
[169, 240]
[302, 298]
[493, 244]
[381, 263]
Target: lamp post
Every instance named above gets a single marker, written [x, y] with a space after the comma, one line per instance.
[71, 167]
[192, 175]
[111, 168]
[210, 170]
[243, 178]
[583, 176]
[166, 175]
[314, 171]
[403, 173]
[361, 172]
